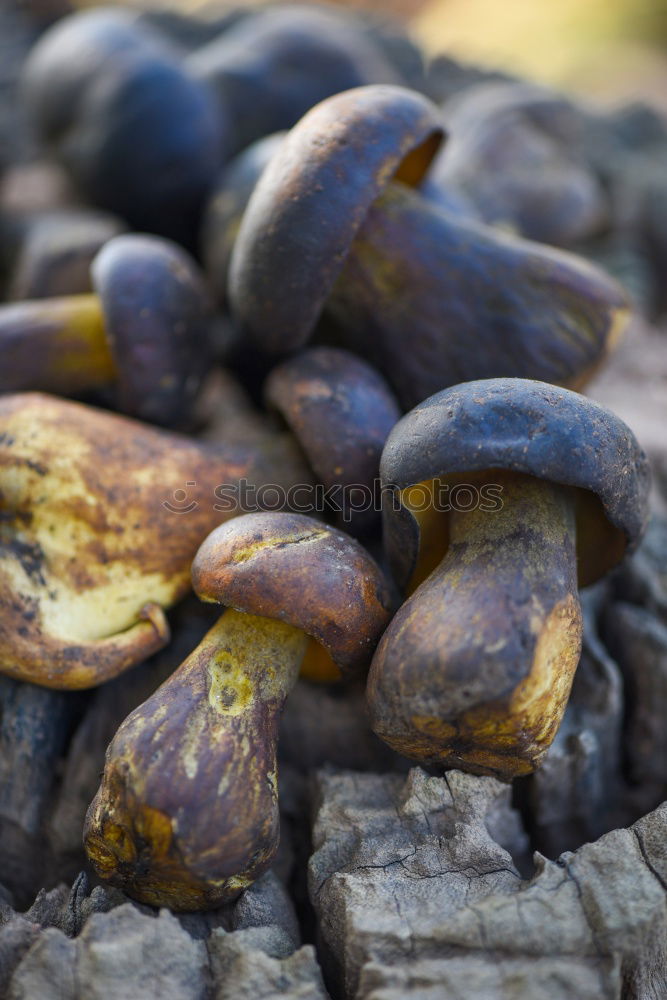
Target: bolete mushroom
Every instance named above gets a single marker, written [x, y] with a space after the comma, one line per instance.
[516, 152]
[100, 517]
[340, 410]
[429, 296]
[138, 134]
[308, 204]
[147, 329]
[501, 496]
[187, 812]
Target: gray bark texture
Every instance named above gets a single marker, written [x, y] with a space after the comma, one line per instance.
[418, 894]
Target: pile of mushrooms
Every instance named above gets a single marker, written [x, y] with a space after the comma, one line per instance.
[269, 224]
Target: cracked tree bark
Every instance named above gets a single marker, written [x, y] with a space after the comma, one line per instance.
[438, 904]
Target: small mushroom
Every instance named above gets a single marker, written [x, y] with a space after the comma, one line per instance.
[340, 410]
[148, 329]
[187, 812]
[501, 496]
[430, 297]
[139, 135]
[100, 517]
[516, 152]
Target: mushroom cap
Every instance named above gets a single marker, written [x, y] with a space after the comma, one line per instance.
[341, 411]
[532, 428]
[140, 136]
[516, 151]
[158, 317]
[293, 568]
[63, 64]
[310, 201]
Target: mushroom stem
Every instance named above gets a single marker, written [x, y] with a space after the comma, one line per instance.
[478, 303]
[187, 812]
[476, 668]
[54, 345]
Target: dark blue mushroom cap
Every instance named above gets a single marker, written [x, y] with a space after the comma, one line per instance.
[528, 427]
[309, 203]
[139, 135]
[158, 317]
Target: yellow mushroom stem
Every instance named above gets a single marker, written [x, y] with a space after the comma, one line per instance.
[54, 345]
[476, 668]
[187, 812]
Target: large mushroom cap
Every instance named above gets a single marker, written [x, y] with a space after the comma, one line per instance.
[158, 316]
[312, 198]
[300, 571]
[139, 135]
[64, 63]
[529, 427]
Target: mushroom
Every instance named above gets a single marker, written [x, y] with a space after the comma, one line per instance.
[310, 201]
[187, 812]
[516, 152]
[139, 135]
[148, 328]
[100, 517]
[335, 221]
[500, 496]
[340, 410]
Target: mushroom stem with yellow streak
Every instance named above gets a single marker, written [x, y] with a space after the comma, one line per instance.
[476, 668]
[187, 812]
[55, 345]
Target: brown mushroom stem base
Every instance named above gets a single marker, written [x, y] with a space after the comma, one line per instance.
[187, 812]
[475, 670]
[54, 345]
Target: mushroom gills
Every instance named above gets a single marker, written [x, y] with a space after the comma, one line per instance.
[476, 668]
[187, 812]
[318, 665]
[55, 345]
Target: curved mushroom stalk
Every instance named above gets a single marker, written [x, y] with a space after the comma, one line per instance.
[187, 812]
[147, 331]
[478, 303]
[476, 668]
[100, 518]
